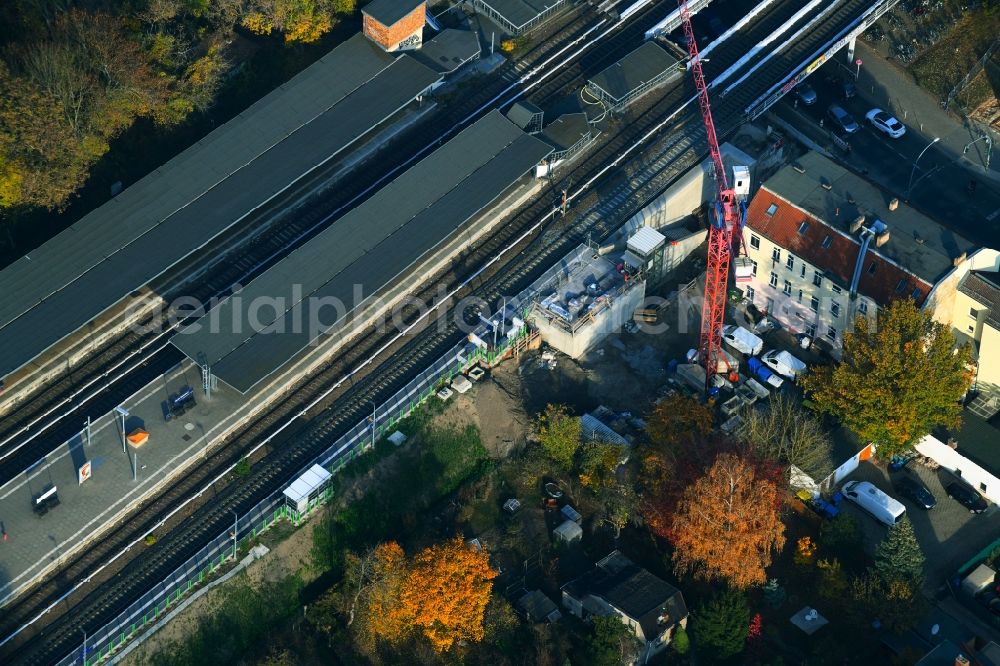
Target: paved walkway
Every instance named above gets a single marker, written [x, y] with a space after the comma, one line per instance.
[890, 87]
[35, 543]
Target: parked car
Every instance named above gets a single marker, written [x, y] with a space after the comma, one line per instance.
[967, 496]
[784, 364]
[915, 491]
[842, 119]
[806, 94]
[886, 123]
[883, 508]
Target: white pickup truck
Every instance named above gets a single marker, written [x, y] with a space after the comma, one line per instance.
[742, 340]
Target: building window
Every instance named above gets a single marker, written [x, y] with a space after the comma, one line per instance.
[770, 305]
[748, 291]
[802, 271]
[799, 315]
[863, 307]
[836, 289]
[974, 313]
[774, 279]
[916, 293]
[982, 487]
[872, 267]
[817, 278]
[790, 262]
[831, 333]
[776, 254]
[900, 286]
[800, 295]
[814, 304]
[835, 309]
[772, 209]
[811, 330]
[972, 329]
[803, 227]
[755, 242]
[754, 268]
[788, 288]
[827, 242]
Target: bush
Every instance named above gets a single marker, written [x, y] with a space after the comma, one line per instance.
[681, 644]
[242, 467]
[841, 536]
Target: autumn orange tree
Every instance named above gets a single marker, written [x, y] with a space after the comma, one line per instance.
[441, 593]
[727, 523]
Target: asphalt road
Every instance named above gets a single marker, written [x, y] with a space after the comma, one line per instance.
[940, 181]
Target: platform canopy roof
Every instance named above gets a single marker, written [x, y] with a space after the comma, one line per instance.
[215, 184]
[309, 293]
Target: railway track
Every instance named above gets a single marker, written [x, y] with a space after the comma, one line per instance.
[130, 362]
[303, 440]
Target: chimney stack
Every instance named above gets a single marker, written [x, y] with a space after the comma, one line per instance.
[959, 260]
[882, 238]
[826, 186]
[893, 203]
[857, 223]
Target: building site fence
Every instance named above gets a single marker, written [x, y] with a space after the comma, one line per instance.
[157, 602]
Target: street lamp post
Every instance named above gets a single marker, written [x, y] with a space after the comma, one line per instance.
[122, 412]
[914, 169]
[236, 525]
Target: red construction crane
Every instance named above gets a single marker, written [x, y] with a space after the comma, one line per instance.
[724, 227]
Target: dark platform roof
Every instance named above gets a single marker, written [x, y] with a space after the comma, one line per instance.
[388, 12]
[449, 50]
[520, 12]
[183, 205]
[370, 246]
[525, 114]
[567, 130]
[634, 70]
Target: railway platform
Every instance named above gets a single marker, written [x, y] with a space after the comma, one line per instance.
[47, 513]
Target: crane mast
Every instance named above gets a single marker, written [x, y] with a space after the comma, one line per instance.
[724, 225]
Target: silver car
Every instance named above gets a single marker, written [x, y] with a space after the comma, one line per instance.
[842, 119]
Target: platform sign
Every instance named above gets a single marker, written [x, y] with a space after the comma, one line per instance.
[84, 472]
[814, 65]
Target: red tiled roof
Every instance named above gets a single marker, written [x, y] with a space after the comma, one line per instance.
[839, 258]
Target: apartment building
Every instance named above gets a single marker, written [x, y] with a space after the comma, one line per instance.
[827, 246]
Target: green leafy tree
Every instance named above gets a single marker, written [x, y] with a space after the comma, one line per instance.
[719, 626]
[899, 556]
[598, 462]
[559, 434]
[842, 535]
[895, 604]
[898, 379]
[610, 643]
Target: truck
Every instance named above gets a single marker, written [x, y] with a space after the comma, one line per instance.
[742, 340]
[784, 364]
[764, 374]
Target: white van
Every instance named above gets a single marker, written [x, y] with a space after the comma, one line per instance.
[883, 508]
[742, 340]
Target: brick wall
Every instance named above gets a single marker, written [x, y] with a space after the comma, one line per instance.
[405, 34]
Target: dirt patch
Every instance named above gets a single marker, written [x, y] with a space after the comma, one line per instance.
[494, 406]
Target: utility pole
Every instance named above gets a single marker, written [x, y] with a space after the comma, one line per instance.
[374, 421]
[86, 432]
[135, 466]
[84, 646]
